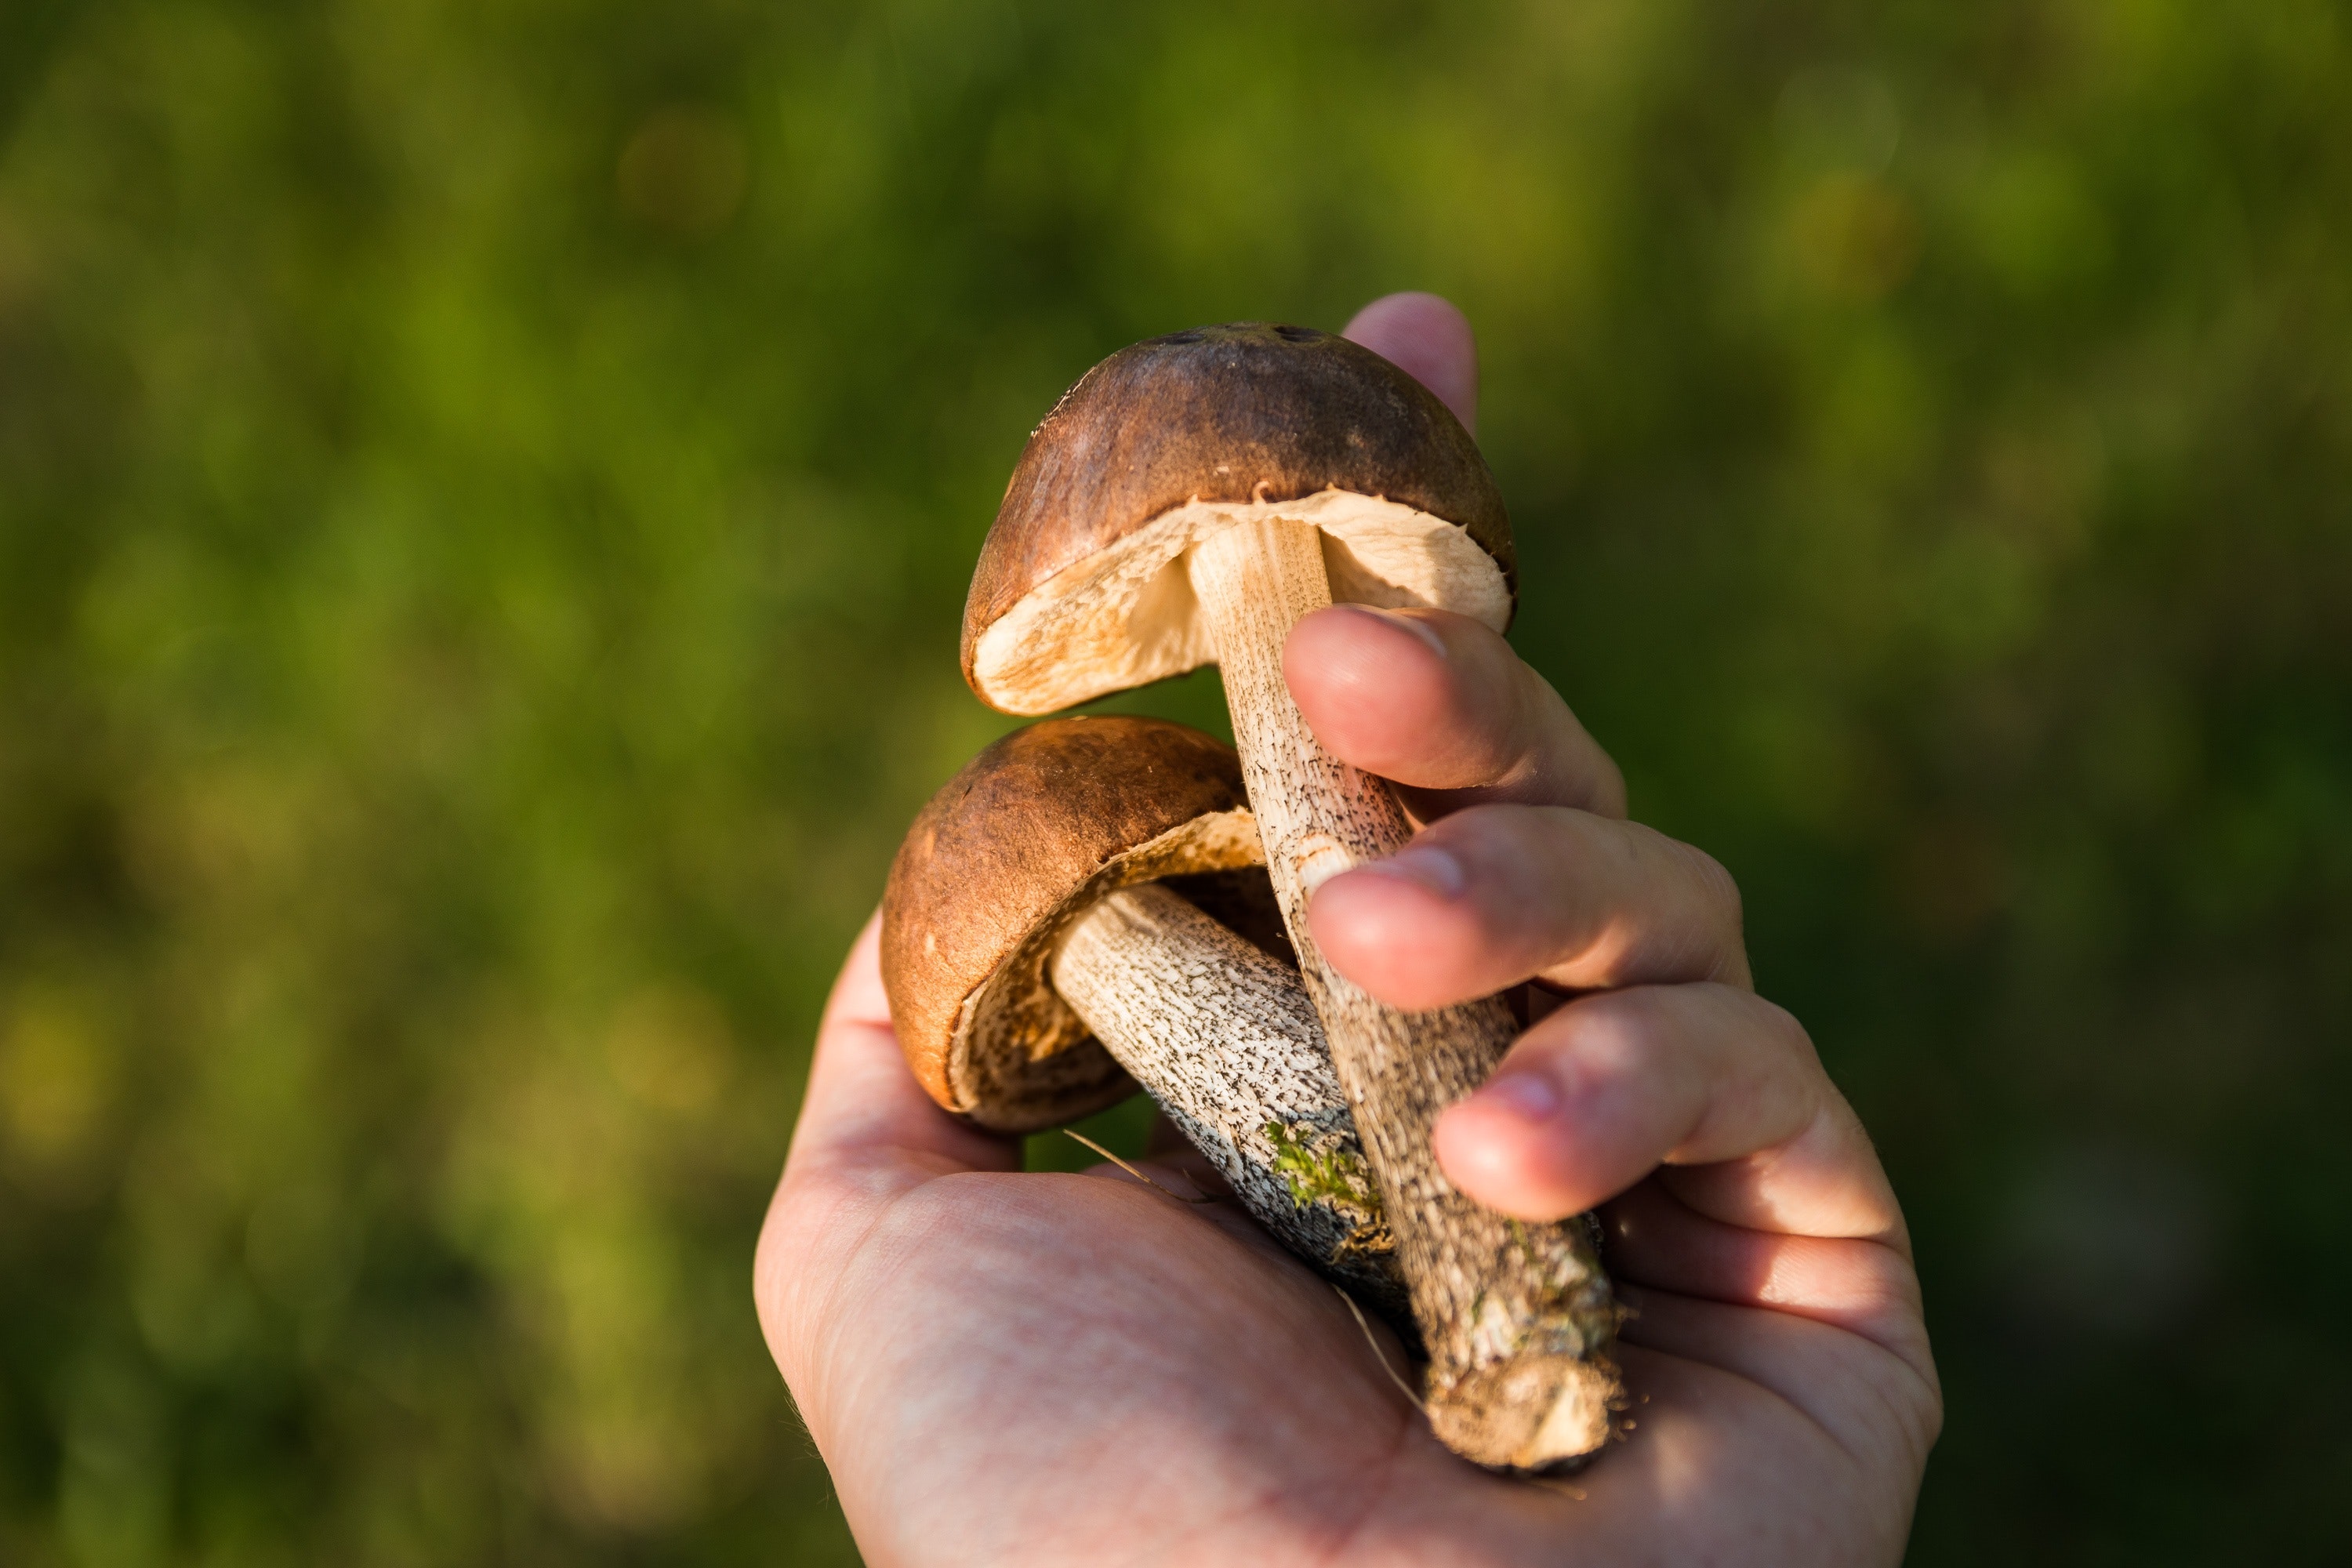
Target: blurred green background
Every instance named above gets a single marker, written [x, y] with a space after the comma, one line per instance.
[485, 496]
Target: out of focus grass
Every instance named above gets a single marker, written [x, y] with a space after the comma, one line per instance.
[486, 492]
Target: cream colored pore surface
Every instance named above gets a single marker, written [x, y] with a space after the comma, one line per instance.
[1127, 616]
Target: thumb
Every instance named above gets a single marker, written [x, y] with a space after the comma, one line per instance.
[1427, 337]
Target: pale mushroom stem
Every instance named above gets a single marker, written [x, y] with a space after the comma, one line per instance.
[1223, 1037]
[1518, 1317]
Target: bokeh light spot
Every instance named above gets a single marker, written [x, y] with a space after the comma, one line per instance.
[684, 171]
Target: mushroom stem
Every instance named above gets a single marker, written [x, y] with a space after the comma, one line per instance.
[1223, 1037]
[1518, 1317]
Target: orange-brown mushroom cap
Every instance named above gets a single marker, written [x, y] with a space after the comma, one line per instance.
[1005, 857]
[1082, 587]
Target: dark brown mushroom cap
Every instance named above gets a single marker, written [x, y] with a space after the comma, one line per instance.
[1224, 421]
[1015, 847]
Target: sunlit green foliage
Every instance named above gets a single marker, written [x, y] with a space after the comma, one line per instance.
[486, 491]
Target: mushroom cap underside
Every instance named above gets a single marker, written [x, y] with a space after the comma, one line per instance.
[1082, 586]
[1015, 849]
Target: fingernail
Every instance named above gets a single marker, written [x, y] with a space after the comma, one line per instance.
[1526, 1096]
[1424, 865]
[1413, 623]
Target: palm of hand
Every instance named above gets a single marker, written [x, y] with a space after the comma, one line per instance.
[1050, 1368]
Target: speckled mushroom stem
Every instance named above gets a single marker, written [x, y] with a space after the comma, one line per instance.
[1519, 1319]
[1223, 1037]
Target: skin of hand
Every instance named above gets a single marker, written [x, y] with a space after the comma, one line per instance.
[1004, 1367]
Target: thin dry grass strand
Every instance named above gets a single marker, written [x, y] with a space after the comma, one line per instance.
[1547, 1483]
[1146, 1181]
[1378, 1354]
[1550, 1485]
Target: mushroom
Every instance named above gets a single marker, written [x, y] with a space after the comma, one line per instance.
[1187, 502]
[1036, 962]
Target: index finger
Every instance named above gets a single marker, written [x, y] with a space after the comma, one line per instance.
[1439, 703]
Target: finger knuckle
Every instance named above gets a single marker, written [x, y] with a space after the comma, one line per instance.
[1716, 886]
[1787, 1035]
[1605, 1026]
[1609, 796]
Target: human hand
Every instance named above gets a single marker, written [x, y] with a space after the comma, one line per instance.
[1047, 1368]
